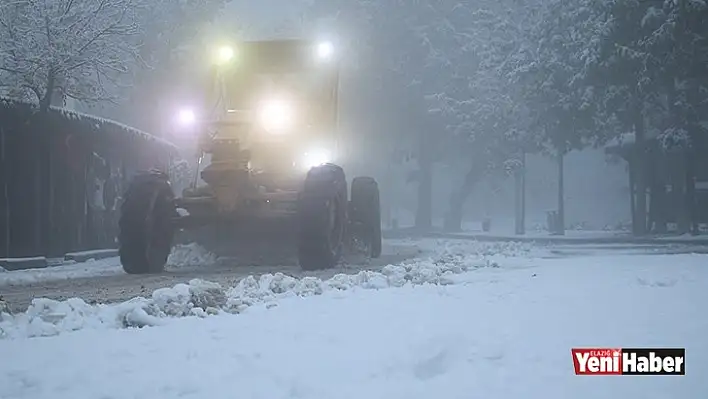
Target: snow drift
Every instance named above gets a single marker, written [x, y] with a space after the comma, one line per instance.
[189, 255]
[46, 317]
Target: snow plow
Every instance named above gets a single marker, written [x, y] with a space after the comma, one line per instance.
[266, 177]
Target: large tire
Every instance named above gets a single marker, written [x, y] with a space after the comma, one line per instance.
[322, 218]
[365, 213]
[146, 224]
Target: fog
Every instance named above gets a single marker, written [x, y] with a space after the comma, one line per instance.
[596, 188]
[431, 93]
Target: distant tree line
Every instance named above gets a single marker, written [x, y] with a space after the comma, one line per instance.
[485, 82]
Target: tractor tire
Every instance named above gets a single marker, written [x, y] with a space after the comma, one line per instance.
[322, 218]
[146, 224]
[365, 213]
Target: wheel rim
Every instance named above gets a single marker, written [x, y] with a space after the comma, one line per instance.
[364, 245]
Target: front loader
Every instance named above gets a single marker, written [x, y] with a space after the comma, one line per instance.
[265, 177]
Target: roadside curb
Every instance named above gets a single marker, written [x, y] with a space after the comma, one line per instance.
[547, 240]
[41, 262]
[95, 254]
[12, 264]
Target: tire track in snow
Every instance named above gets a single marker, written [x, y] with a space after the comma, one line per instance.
[227, 272]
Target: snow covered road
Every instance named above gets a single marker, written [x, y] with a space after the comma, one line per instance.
[104, 280]
[497, 329]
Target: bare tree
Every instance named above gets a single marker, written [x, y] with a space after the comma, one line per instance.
[67, 48]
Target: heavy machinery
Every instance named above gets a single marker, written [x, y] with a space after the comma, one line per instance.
[270, 131]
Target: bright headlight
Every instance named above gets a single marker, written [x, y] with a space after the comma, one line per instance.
[315, 158]
[325, 50]
[224, 55]
[186, 117]
[276, 116]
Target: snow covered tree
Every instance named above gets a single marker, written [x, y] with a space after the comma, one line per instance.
[624, 78]
[678, 49]
[490, 122]
[66, 48]
[54, 50]
[649, 75]
[558, 87]
[445, 62]
[172, 36]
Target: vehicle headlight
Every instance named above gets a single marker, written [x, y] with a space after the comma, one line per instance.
[276, 116]
[316, 157]
[186, 117]
[325, 50]
[224, 55]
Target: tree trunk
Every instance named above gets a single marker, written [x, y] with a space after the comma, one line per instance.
[690, 203]
[424, 211]
[453, 218]
[631, 166]
[657, 207]
[640, 156]
[679, 197]
[560, 227]
[46, 101]
[520, 197]
[390, 192]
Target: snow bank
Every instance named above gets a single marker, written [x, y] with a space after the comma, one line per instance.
[66, 271]
[190, 255]
[46, 317]
[498, 334]
[479, 248]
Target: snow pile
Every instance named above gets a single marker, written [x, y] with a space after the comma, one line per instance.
[46, 317]
[271, 287]
[190, 255]
[478, 248]
[2, 269]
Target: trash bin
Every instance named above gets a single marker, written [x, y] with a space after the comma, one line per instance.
[486, 225]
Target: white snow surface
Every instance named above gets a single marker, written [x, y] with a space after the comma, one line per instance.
[190, 255]
[47, 317]
[475, 329]
[181, 256]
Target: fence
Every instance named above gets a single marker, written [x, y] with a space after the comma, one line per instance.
[61, 177]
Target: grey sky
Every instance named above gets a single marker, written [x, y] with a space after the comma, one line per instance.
[263, 15]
